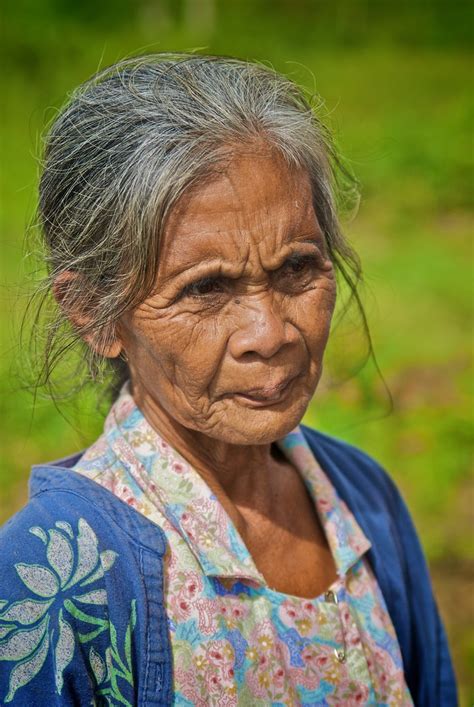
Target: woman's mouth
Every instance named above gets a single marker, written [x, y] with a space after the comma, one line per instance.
[268, 395]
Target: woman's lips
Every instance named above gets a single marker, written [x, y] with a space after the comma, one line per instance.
[270, 395]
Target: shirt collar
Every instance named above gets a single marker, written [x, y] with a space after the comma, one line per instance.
[177, 490]
[345, 537]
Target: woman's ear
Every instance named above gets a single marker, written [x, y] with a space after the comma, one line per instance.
[106, 344]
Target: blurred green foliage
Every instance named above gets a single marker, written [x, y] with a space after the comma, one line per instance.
[397, 83]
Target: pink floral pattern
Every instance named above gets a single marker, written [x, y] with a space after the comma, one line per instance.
[235, 641]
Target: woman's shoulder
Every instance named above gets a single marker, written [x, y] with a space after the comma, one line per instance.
[71, 533]
[61, 498]
[79, 568]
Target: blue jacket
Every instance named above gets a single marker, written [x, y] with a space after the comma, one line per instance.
[82, 619]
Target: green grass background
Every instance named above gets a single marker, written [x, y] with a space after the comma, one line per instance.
[396, 78]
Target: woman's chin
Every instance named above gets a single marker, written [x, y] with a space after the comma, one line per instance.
[263, 424]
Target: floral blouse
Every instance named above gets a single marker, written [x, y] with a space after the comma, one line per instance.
[236, 641]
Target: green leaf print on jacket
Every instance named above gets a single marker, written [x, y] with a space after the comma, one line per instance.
[107, 674]
[63, 593]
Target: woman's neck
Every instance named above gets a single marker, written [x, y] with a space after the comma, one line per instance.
[240, 472]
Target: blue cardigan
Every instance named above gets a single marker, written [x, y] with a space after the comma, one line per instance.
[81, 589]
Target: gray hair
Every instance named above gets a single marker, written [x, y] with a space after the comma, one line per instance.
[128, 144]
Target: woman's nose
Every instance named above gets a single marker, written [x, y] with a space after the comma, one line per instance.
[261, 328]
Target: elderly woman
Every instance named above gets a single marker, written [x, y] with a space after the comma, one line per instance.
[207, 549]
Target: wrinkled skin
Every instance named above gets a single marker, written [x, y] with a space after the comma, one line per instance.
[262, 316]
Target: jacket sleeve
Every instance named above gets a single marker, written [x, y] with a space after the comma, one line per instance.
[67, 619]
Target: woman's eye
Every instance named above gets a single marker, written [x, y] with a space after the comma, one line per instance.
[201, 288]
[299, 267]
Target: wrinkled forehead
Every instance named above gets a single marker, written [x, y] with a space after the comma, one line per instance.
[255, 201]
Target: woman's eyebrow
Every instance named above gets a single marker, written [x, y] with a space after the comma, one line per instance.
[312, 241]
[314, 237]
[208, 265]
[221, 265]
[227, 269]
[317, 239]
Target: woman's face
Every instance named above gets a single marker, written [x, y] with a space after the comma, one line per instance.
[231, 342]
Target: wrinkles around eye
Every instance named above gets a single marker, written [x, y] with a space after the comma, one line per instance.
[298, 267]
[296, 271]
[203, 287]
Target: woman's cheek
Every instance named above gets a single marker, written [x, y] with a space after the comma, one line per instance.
[312, 314]
[196, 348]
